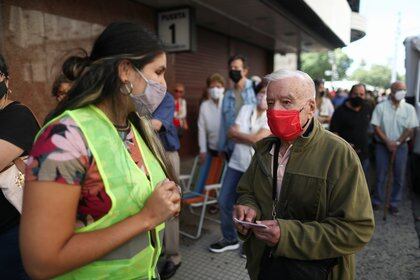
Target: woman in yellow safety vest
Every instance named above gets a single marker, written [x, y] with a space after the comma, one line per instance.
[99, 187]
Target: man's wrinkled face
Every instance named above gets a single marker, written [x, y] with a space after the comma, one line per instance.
[291, 94]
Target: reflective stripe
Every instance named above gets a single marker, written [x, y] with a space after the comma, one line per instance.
[129, 249]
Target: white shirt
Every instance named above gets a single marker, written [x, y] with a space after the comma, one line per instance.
[394, 120]
[326, 109]
[248, 123]
[182, 113]
[209, 119]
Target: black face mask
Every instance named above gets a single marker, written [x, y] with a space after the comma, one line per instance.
[356, 101]
[235, 75]
[3, 89]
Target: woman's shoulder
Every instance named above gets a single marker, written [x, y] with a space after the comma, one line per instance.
[326, 100]
[247, 108]
[63, 134]
[60, 153]
[17, 109]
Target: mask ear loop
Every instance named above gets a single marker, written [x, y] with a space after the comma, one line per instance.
[141, 74]
[307, 122]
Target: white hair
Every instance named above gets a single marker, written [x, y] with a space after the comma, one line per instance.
[284, 73]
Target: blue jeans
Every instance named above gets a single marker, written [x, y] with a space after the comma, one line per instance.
[11, 266]
[227, 199]
[382, 158]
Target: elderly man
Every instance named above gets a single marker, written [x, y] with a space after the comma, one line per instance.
[394, 120]
[306, 189]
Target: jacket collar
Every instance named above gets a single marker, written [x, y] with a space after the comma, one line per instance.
[301, 143]
[248, 85]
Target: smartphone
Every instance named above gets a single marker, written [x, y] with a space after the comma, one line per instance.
[249, 224]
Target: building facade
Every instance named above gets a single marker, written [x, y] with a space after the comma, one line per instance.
[37, 36]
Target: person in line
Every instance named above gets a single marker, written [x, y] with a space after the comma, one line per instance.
[250, 127]
[302, 187]
[325, 108]
[18, 128]
[340, 97]
[208, 129]
[351, 121]
[162, 123]
[209, 117]
[241, 94]
[180, 114]
[394, 121]
[102, 171]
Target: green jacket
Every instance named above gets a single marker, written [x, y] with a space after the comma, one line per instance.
[324, 210]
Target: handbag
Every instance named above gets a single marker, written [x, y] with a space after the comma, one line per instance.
[12, 177]
[274, 268]
[12, 180]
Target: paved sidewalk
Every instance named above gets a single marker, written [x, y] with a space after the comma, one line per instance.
[393, 252]
[199, 263]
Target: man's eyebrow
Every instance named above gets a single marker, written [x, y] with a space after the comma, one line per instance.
[290, 96]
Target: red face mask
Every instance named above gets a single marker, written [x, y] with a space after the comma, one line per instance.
[285, 124]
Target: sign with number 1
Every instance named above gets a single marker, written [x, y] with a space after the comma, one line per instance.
[175, 29]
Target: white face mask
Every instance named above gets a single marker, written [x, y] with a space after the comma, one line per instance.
[151, 97]
[215, 92]
[399, 95]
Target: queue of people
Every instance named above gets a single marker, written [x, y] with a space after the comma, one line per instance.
[106, 160]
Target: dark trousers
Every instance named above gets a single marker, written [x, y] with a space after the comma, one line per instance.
[11, 267]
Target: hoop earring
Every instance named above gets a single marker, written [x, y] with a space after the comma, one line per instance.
[126, 88]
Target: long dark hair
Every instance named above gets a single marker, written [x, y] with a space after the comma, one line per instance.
[96, 78]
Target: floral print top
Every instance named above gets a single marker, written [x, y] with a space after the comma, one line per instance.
[61, 154]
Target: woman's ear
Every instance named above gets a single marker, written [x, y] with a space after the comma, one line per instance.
[124, 70]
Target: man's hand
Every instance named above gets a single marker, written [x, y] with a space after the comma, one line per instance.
[392, 146]
[243, 213]
[269, 235]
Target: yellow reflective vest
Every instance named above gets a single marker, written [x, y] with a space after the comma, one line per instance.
[128, 188]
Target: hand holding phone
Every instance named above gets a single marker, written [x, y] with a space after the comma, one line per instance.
[249, 224]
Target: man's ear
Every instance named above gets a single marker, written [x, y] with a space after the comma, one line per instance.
[312, 106]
